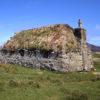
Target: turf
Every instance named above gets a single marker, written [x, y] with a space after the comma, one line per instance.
[19, 83]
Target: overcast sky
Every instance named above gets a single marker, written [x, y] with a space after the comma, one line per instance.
[17, 15]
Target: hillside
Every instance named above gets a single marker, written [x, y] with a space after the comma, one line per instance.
[94, 48]
[49, 37]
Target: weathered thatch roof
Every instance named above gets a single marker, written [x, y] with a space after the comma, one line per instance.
[54, 37]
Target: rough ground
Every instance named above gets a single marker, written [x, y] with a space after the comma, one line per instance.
[19, 83]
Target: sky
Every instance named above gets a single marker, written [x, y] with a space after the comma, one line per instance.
[17, 15]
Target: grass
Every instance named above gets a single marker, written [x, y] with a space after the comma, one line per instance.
[19, 83]
[97, 66]
[96, 55]
[97, 61]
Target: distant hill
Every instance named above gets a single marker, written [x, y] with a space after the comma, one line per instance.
[94, 48]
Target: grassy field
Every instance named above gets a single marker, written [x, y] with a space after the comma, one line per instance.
[19, 83]
[97, 61]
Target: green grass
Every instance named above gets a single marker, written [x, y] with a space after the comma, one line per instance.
[96, 55]
[97, 61]
[19, 83]
[97, 66]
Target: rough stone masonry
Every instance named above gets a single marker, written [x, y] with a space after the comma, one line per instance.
[57, 47]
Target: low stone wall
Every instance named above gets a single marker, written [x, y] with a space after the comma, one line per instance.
[70, 61]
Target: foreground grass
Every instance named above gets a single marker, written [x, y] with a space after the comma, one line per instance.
[19, 83]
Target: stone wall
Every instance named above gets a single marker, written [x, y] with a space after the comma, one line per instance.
[70, 61]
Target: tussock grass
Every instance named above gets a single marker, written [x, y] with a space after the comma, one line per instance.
[74, 95]
[19, 83]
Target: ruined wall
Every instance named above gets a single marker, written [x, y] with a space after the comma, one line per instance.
[71, 61]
